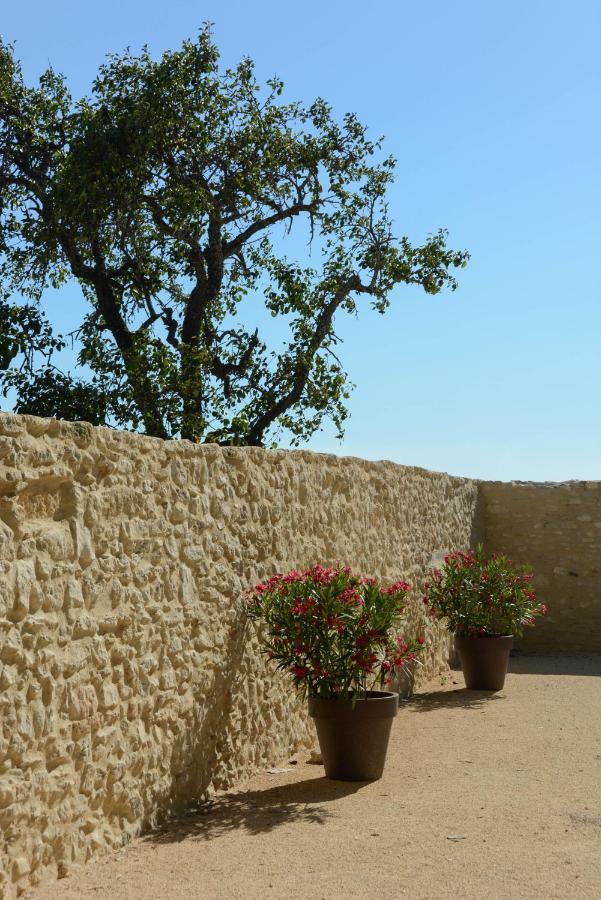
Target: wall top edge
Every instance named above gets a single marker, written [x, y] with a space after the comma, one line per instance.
[12, 425]
[571, 483]
[83, 433]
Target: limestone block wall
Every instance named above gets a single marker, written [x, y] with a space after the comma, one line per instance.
[128, 684]
[556, 529]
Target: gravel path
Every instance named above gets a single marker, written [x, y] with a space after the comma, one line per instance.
[483, 797]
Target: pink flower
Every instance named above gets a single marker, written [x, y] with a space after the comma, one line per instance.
[292, 576]
[350, 595]
[321, 575]
[397, 587]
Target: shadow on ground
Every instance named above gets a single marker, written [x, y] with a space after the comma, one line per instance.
[460, 698]
[522, 663]
[257, 811]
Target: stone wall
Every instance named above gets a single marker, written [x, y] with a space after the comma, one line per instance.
[128, 685]
[556, 529]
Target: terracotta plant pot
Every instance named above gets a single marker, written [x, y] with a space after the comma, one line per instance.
[484, 660]
[353, 737]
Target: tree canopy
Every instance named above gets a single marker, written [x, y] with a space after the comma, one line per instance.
[170, 195]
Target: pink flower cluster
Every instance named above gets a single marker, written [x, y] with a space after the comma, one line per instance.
[479, 595]
[318, 574]
[332, 630]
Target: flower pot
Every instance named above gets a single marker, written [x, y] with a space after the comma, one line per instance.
[403, 681]
[353, 735]
[484, 660]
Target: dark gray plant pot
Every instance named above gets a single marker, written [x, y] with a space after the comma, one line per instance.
[353, 736]
[484, 660]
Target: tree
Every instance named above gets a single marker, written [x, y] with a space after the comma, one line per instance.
[169, 194]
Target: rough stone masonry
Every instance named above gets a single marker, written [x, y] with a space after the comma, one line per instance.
[555, 529]
[129, 685]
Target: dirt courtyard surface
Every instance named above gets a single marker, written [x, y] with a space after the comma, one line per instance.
[484, 796]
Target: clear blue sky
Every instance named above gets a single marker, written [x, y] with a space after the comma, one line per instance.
[493, 112]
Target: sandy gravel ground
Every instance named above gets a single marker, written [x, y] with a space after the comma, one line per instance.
[483, 797]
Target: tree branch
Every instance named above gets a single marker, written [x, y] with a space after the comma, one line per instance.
[303, 363]
[231, 247]
[224, 371]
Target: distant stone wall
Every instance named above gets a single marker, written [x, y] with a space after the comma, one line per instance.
[556, 529]
[128, 685]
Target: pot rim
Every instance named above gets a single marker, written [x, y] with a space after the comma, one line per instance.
[378, 704]
[484, 637]
[348, 696]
